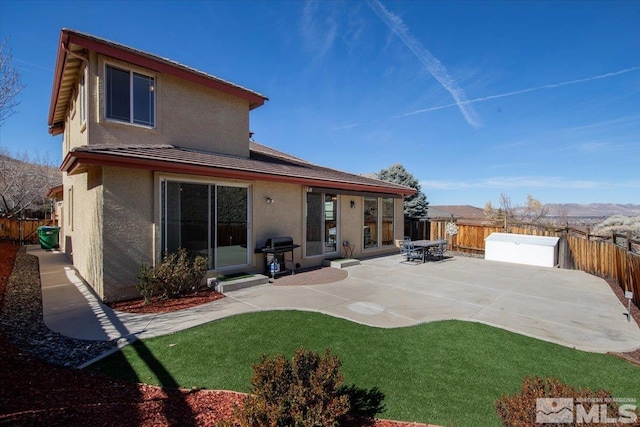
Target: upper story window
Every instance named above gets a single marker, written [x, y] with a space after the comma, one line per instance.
[130, 97]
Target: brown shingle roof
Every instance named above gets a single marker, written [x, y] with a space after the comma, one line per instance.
[462, 211]
[466, 213]
[264, 163]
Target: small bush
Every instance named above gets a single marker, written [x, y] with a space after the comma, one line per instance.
[177, 274]
[520, 409]
[304, 392]
[145, 282]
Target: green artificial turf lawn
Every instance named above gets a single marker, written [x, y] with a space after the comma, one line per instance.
[446, 373]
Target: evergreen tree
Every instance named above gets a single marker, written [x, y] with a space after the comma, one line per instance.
[415, 206]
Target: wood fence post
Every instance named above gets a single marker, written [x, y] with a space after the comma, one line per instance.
[628, 241]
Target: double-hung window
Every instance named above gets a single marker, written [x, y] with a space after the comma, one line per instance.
[130, 96]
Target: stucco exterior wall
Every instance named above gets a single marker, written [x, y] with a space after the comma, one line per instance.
[128, 229]
[187, 115]
[351, 223]
[82, 225]
[283, 217]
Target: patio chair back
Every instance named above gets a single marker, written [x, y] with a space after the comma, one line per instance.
[440, 249]
[409, 252]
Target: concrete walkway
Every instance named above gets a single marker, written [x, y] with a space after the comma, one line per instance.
[567, 307]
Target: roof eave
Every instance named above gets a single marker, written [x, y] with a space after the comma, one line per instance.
[75, 162]
[53, 191]
[57, 78]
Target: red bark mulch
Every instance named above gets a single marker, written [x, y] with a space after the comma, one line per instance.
[158, 305]
[33, 392]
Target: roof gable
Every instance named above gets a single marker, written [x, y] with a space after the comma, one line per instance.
[71, 55]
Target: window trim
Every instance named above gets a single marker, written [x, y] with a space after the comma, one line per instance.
[131, 72]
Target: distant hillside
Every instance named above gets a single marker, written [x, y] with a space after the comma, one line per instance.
[593, 209]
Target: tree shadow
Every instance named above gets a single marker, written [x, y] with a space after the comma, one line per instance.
[365, 404]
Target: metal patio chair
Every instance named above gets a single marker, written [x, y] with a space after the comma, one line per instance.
[439, 250]
[409, 251]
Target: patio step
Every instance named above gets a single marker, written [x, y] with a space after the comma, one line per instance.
[341, 263]
[235, 284]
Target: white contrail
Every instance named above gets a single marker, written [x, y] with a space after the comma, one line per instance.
[435, 67]
[531, 89]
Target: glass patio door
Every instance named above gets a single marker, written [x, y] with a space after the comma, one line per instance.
[207, 220]
[231, 226]
[322, 224]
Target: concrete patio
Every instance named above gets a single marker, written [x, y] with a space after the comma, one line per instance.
[567, 307]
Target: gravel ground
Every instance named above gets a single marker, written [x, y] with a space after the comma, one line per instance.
[22, 322]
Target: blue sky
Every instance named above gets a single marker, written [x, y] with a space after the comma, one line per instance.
[473, 98]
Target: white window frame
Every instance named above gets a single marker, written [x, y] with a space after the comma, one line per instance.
[131, 98]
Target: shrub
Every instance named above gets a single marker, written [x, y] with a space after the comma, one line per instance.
[520, 409]
[303, 392]
[618, 224]
[145, 282]
[177, 274]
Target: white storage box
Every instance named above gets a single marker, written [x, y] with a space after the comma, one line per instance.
[522, 249]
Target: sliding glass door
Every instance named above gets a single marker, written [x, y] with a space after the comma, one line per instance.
[206, 219]
[231, 226]
[322, 224]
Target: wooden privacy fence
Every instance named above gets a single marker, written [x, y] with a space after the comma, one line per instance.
[605, 259]
[23, 231]
[599, 255]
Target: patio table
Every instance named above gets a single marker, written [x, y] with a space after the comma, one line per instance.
[426, 245]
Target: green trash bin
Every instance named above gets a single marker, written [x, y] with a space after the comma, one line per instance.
[49, 236]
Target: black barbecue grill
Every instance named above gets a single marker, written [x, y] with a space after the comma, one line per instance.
[275, 250]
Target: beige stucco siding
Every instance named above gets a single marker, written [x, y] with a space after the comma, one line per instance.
[82, 225]
[187, 115]
[283, 217]
[193, 116]
[128, 228]
[351, 222]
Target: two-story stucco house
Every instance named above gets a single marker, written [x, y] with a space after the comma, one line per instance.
[158, 156]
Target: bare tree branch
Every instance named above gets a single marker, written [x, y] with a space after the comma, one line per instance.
[24, 181]
[10, 84]
[532, 212]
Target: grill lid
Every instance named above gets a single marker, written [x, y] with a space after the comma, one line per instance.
[278, 242]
